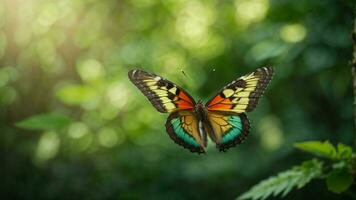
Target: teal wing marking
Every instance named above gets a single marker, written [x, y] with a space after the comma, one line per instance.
[182, 134]
[234, 131]
[181, 131]
[229, 130]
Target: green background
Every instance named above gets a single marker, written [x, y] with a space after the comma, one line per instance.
[103, 139]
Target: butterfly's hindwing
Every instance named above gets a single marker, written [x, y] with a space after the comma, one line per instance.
[229, 130]
[164, 95]
[242, 95]
[182, 127]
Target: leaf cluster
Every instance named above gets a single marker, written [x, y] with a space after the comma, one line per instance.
[337, 168]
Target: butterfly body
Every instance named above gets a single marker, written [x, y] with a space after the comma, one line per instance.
[222, 118]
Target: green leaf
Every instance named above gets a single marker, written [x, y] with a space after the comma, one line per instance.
[284, 182]
[76, 94]
[322, 149]
[339, 181]
[344, 151]
[48, 121]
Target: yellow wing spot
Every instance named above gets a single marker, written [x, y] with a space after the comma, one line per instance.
[154, 87]
[165, 100]
[151, 83]
[249, 89]
[148, 80]
[253, 79]
[161, 92]
[247, 77]
[240, 100]
[240, 107]
[238, 89]
[251, 83]
[169, 106]
[228, 92]
[242, 94]
[173, 90]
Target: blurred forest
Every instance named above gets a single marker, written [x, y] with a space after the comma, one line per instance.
[99, 138]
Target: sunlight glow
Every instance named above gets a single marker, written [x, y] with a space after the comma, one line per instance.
[47, 17]
[108, 137]
[193, 22]
[271, 133]
[249, 11]
[90, 70]
[77, 130]
[293, 33]
[47, 147]
[117, 94]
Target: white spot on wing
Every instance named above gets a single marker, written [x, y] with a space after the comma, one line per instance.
[201, 131]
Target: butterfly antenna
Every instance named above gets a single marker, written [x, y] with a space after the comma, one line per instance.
[186, 76]
[184, 73]
[188, 79]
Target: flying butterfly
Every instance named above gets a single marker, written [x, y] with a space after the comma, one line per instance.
[222, 118]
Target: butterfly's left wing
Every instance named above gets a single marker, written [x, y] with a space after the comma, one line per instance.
[228, 130]
[242, 95]
[183, 128]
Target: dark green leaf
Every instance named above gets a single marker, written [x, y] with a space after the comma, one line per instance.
[339, 181]
[48, 121]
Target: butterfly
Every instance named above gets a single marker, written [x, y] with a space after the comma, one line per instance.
[222, 118]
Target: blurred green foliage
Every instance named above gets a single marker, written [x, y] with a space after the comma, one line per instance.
[71, 57]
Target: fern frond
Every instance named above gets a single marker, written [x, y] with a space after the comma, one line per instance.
[284, 182]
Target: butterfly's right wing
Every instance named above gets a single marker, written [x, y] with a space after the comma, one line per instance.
[164, 95]
[228, 129]
[243, 94]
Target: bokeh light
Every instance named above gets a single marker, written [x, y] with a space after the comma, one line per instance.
[293, 33]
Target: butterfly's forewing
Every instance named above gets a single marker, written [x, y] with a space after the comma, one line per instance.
[242, 95]
[164, 95]
[182, 127]
[229, 130]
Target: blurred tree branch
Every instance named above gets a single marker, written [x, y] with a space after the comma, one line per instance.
[354, 75]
